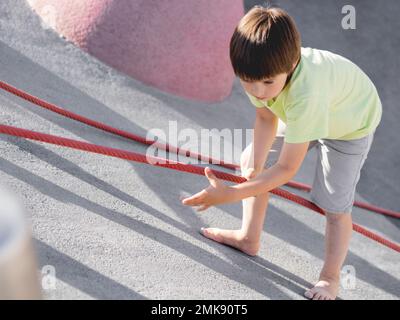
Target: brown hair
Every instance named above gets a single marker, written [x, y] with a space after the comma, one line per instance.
[265, 43]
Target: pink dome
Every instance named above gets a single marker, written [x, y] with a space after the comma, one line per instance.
[181, 47]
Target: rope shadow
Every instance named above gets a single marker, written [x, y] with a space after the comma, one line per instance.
[71, 168]
[263, 285]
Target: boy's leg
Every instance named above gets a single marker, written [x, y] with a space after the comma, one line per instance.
[337, 238]
[246, 239]
[337, 174]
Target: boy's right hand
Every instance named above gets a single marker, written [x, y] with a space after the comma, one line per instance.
[251, 173]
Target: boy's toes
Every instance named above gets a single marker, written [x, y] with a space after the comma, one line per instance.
[211, 233]
[330, 297]
[323, 290]
[324, 296]
[317, 296]
[309, 293]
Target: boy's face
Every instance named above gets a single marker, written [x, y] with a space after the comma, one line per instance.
[266, 89]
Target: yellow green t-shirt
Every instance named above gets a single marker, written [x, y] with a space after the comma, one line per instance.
[328, 97]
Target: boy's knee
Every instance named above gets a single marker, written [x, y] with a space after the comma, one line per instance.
[245, 158]
[334, 217]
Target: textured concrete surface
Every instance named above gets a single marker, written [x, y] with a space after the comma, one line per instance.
[116, 229]
[181, 47]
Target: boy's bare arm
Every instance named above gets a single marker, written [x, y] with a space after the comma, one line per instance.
[290, 160]
[265, 128]
[291, 157]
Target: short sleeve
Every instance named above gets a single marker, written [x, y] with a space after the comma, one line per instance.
[307, 119]
[257, 103]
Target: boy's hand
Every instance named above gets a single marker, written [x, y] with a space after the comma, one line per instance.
[251, 173]
[216, 193]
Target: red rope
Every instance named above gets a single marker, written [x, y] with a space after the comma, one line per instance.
[359, 204]
[164, 146]
[127, 155]
[99, 125]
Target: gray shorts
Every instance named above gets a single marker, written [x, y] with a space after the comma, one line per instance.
[337, 172]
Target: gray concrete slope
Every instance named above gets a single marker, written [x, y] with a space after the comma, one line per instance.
[116, 229]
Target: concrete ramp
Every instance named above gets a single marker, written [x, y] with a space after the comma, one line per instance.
[115, 229]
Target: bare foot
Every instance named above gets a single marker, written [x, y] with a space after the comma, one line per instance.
[325, 289]
[232, 238]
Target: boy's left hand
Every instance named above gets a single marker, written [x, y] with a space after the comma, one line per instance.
[216, 193]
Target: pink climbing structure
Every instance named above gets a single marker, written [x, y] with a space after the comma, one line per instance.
[181, 47]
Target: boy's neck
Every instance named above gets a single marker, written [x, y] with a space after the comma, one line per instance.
[289, 77]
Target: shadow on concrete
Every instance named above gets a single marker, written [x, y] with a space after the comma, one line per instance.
[276, 224]
[82, 277]
[262, 284]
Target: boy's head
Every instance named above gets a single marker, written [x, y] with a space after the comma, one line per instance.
[264, 51]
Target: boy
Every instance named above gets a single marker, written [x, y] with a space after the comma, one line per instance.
[325, 101]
